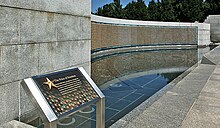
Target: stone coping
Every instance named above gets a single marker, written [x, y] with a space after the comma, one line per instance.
[138, 48]
[101, 19]
[212, 57]
[15, 124]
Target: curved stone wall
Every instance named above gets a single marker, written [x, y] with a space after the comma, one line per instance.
[111, 32]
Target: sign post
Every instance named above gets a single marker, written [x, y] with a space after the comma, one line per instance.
[62, 93]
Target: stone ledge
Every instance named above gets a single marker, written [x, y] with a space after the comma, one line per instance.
[212, 57]
[15, 124]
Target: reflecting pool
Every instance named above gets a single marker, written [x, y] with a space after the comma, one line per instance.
[127, 80]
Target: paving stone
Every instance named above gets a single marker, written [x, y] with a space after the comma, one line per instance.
[174, 113]
[204, 68]
[215, 77]
[217, 69]
[120, 123]
[150, 119]
[206, 107]
[185, 87]
[209, 101]
[15, 124]
[197, 76]
[200, 119]
[212, 89]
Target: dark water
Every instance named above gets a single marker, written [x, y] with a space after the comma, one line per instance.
[129, 79]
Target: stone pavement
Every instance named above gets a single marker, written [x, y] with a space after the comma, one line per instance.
[15, 124]
[205, 112]
[194, 102]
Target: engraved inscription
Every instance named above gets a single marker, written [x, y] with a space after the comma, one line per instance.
[67, 91]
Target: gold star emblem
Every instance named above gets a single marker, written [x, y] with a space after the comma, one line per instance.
[50, 83]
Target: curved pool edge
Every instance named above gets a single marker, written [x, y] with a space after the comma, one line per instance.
[137, 48]
[138, 74]
[147, 103]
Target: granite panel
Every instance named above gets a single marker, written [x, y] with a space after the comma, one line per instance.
[86, 28]
[2, 105]
[37, 27]
[53, 56]
[80, 52]
[73, 7]
[18, 62]
[9, 107]
[69, 28]
[60, 55]
[9, 30]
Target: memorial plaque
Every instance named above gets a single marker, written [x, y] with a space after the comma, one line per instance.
[61, 93]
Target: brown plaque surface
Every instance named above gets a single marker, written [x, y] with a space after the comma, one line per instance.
[66, 91]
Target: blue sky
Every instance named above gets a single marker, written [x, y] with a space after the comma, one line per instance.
[99, 3]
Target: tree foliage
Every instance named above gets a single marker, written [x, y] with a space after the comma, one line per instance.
[136, 10]
[162, 10]
[113, 9]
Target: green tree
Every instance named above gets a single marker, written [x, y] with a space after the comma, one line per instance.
[162, 10]
[192, 10]
[178, 10]
[212, 7]
[152, 11]
[113, 9]
[136, 10]
[168, 12]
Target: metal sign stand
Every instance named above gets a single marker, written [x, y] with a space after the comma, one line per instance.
[100, 113]
[64, 93]
[50, 124]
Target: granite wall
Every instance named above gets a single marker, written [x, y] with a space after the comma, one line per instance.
[110, 32]
[214, 21]
[37, 37]
[105, 35]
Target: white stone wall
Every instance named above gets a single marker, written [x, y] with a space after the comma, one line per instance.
[203, 28]
[203, 34]
[37, 37]
[214, 21]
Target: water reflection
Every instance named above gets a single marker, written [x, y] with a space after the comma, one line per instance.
[129, 79]
[150, 62]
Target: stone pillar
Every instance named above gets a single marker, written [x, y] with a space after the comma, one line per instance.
[214, 21]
